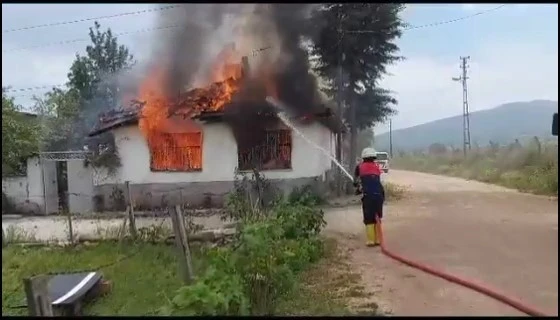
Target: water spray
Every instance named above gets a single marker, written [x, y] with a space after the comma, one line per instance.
[282, 114]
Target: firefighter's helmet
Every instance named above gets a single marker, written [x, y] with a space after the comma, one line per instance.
[369, 153]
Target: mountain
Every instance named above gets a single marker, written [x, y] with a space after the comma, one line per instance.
[503, 124]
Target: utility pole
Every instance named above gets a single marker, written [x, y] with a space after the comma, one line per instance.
[390, 138]
[466, 123]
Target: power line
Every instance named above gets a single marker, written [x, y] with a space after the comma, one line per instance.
[89, 19]
[439, 23]
[35, 88]
[87, 39]
[434, 24]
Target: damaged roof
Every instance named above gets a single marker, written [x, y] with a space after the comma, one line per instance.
[125, 117]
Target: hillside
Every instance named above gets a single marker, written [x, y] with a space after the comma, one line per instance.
[502, 124]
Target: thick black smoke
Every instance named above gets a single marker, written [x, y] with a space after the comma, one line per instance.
[297, 87]
[279, 27]
[186, 50]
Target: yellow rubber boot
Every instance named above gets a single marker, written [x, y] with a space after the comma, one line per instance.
[378, 234]
[370, 233]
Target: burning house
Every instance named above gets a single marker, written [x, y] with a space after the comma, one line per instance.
[174, 138]
[197, 142]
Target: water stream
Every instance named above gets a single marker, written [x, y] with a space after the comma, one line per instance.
[284, 117]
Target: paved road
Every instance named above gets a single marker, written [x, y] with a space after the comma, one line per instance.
[497, 236]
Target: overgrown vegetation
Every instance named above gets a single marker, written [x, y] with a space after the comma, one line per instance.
[19, 137]
[64, 116]
[276, 240]
[142, 274]
[532, 167]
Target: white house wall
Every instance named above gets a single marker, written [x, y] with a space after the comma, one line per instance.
[219, 161]
[26, 192]
[80, 186]
[219, 157]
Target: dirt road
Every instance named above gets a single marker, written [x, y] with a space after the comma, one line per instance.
[493, 235]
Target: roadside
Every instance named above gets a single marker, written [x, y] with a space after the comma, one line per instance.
[532, 167]
[484, 232]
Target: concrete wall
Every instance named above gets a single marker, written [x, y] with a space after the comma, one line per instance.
[219, 160]
[26, 192]
[80, 186]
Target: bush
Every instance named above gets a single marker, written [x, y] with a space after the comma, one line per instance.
[532, 167]
[216, 292]
[305, 196]
[251, 275]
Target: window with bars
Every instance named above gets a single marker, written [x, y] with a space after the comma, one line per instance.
[176, 151]
[275, 153]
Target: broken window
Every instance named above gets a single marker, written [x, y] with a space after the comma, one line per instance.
[275, 153]
[176, 151]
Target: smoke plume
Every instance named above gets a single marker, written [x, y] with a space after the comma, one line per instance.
[270, 35]
[206, 29]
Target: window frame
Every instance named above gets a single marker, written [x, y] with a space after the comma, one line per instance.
[287, 143]
[165, 135]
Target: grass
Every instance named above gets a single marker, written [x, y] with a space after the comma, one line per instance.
[141, 283]
[14, 234]
[328, 288]
[145, 276]
[532, 167]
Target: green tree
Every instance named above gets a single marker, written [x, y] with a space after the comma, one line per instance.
[94, 77]
[58, 111]
[92, 89]
[19, 136]
[359, 39]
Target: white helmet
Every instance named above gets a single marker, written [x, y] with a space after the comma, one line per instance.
[369, 153]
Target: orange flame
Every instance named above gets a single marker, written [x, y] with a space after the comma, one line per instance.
[176, 142]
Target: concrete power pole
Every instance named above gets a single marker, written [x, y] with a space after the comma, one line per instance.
[466, 122]
[390, 138]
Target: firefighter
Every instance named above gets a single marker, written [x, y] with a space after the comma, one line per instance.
[368, 183]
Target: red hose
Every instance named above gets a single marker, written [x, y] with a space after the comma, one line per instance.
[517, 304]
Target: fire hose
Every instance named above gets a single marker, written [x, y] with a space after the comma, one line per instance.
[460, 281]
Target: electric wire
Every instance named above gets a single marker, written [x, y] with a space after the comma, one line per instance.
[118, 15]
[64, 42]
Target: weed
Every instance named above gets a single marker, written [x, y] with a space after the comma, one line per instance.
[276, 240]
[140, 282]
[394, 191]
[15, 234]
[532, 167]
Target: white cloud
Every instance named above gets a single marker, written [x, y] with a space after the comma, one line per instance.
[499, 73]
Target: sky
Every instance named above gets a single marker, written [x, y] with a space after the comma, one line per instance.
[513, 53]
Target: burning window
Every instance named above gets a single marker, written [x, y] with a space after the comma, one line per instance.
[275, 153]
[176, 151]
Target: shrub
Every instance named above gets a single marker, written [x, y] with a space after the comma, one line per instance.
[298, 221]
[532, 167]
[216, 292]
[249, 277]
[305, 196]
